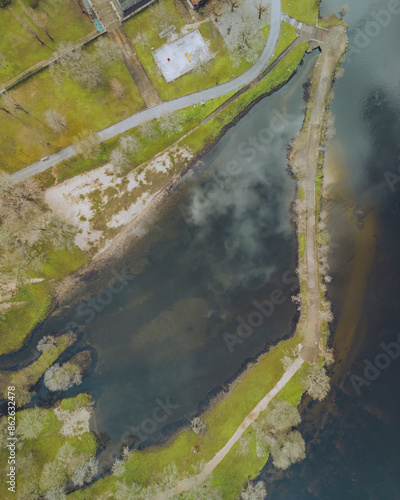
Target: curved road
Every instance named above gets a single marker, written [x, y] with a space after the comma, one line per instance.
[169, 106]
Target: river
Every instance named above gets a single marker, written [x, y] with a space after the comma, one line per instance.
[353, 437]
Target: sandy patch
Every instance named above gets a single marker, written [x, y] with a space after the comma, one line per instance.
[73, 199]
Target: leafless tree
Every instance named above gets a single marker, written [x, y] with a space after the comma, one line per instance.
[118, 468]
[87, 144]
[118, 90]
[31, 422]
[261, 7]
[199, 425]
[162, 16]
[129, 144]
[143, 38]
[170, 123]
[86, 472]
[283, 416]
[255, 491]
[55, 120]
[57, 493]
[106, 51]
[62, 377]
[47, 342]
[214, 9]
[316, 382]
[119, 159]
[287, 448]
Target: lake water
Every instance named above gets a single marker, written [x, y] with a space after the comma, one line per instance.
[353, 440]
[211, 262]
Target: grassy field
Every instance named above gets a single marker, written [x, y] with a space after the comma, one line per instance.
[20, 49]
[218, 71]
[17, 323]
[83, 108]
[305, 11]
[222, 421]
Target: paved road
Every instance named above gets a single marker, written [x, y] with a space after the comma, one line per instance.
[170, 106]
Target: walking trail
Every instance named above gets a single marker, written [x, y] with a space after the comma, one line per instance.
[191, 482]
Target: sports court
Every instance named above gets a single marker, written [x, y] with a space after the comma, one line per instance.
[182, 55]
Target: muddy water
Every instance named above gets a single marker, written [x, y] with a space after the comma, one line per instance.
[353, 437]
[220, 257]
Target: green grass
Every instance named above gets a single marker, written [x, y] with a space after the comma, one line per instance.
[17, 323]
[222, 421]
[330, 20]
[20, 49]
[302, 242]
[219, 71]
[288, 35]
[82, 107]
[305, 11]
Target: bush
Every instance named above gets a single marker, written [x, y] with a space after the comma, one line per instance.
[3, 3]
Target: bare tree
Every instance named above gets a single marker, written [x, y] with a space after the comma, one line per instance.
[255, 491]
[57, 493]
[86, 472]
[170, 123]
[129, 144]
[287, 449]
[55, 120]
[143, 38]
[118, 90]
[106, 51]
[316, 382]
[119, 159]
[77, 64]
[118, 468]
[282, 416]
[47, 342]
[162, 16]
[214, 9]
[31, 422]
[87, 144]
[199, 425]
[261, 7]
[61, 378]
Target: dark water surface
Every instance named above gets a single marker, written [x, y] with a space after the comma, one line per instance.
[159, 340]
[353, 441]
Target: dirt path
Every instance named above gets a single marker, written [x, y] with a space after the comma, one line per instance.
[306, 160]
[189, 483]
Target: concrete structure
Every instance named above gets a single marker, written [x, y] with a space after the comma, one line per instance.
[182, 55]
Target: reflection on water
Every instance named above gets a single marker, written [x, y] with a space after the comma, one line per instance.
[353, 440]
[197, 278]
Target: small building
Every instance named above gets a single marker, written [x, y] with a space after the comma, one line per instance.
[129, 6]
[196, 4]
